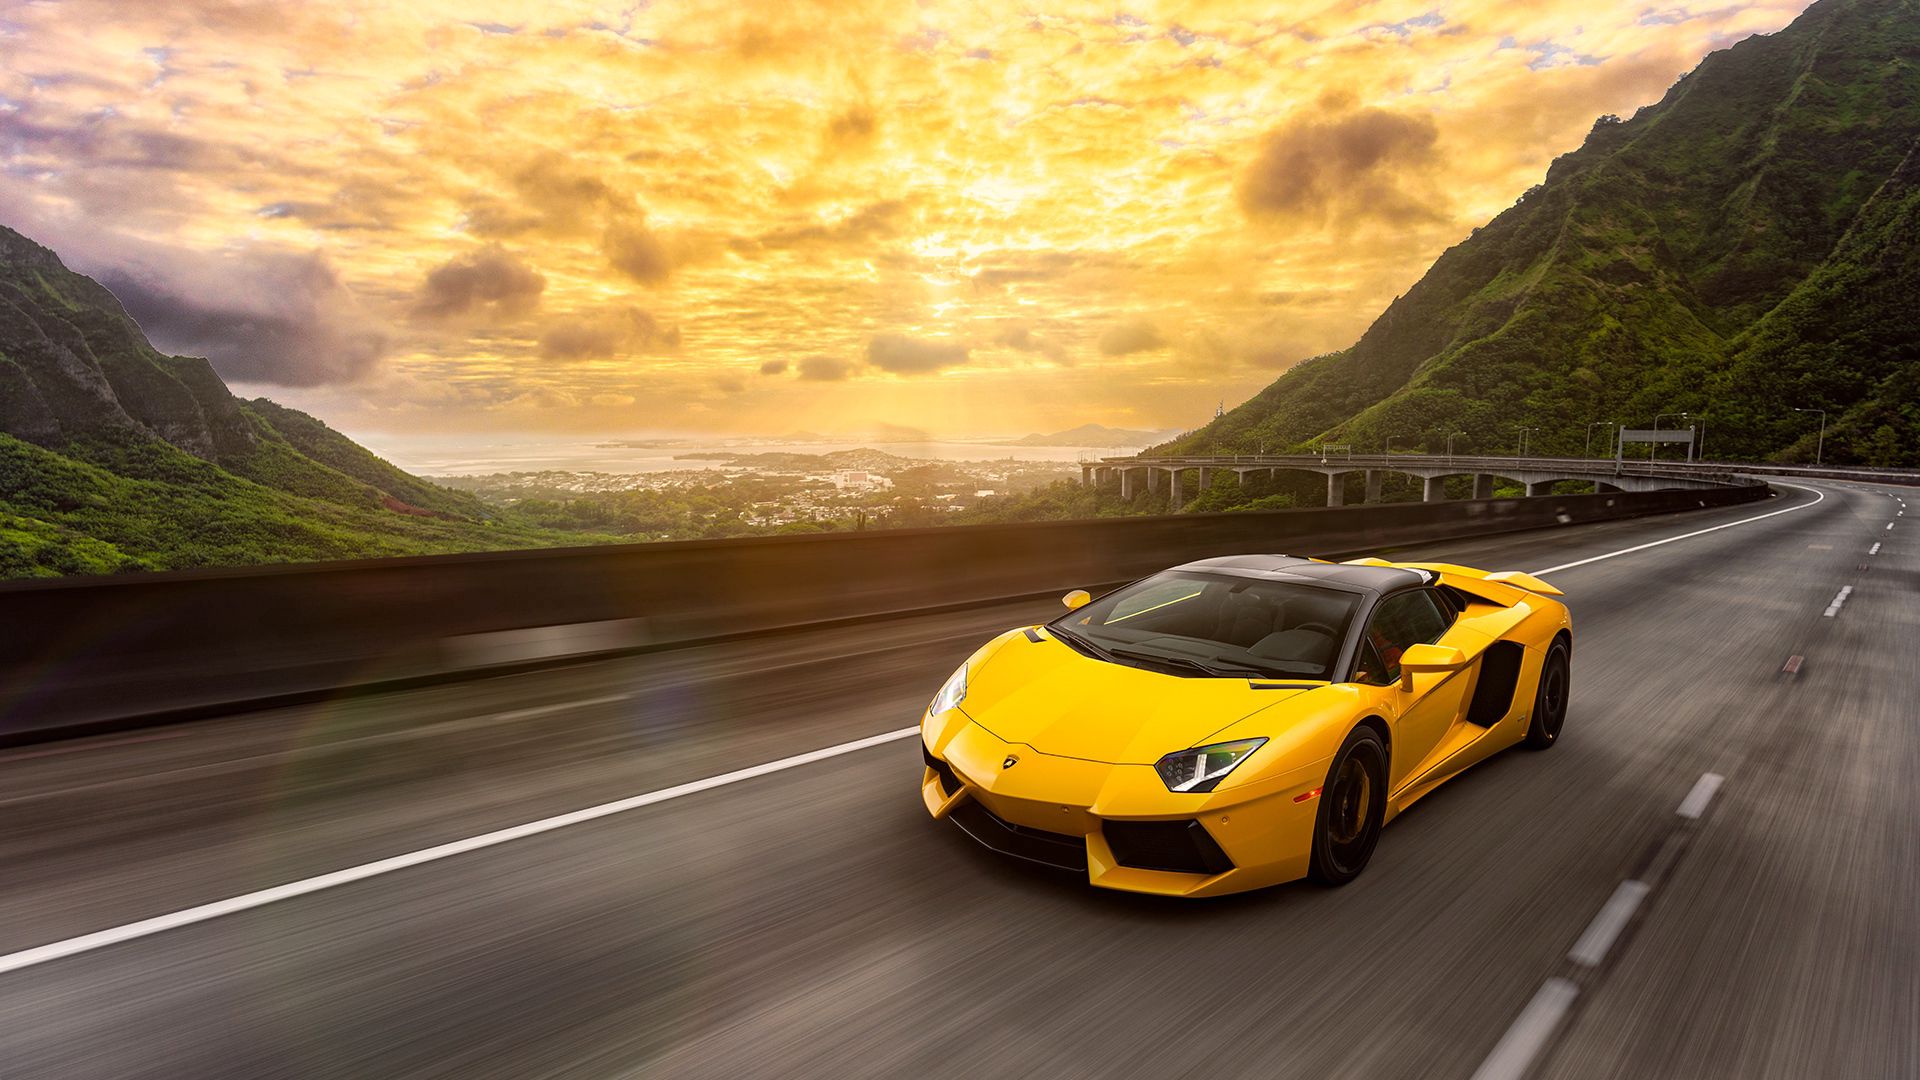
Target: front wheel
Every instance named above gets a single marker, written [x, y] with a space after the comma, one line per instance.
[1550, 703]
[1353, 806]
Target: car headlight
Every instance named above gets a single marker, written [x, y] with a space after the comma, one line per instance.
[952, 694]
[1203, 767]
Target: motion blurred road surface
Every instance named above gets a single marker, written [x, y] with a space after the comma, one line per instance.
[812, 922]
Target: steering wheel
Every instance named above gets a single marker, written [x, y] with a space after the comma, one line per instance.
[1318, 628]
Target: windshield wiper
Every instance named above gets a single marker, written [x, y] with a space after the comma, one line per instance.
[1081, 644]
[1188, 662]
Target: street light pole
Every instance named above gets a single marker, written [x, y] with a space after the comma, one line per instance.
[1588, 452]
[1390, 439]
[1820, 447]
[1450, 439]
[1523, 439]
[1653, 449]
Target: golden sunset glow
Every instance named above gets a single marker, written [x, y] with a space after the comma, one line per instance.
[762, 217]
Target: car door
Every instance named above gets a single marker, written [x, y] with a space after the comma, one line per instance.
[1429, 710]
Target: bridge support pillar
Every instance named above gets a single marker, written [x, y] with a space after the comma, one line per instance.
[1086, 476]
[1436, 489]
[1336, 489]
[1206, 478]
[1374, 476]
[1126, 484]
[1153, 480]
[1540, 487]
[1174, 499]
[1483, 486]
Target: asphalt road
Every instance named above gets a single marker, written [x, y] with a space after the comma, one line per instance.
[811, 921]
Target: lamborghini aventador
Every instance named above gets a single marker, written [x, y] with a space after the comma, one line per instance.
[1243, 721]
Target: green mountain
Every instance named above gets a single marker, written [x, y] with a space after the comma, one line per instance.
[1744, 247]
[114, 456]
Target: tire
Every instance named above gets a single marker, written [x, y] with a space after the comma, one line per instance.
[1353, 806]
[1550, 701]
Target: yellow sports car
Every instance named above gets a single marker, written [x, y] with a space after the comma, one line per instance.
[1238, 722]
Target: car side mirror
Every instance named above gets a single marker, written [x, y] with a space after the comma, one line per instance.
[1076, 599]
[1424, 657]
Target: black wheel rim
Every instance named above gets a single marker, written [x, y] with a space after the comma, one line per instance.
[1553, 697]
[1353, 813]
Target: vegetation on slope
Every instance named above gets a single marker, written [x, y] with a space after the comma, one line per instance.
[1740, 249]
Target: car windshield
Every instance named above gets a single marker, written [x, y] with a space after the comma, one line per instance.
[1217, 624]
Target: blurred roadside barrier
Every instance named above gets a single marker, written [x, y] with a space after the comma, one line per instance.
[82, 654]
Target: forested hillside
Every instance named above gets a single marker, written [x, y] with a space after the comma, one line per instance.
[1742, 248]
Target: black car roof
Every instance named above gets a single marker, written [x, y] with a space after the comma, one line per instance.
[1374, 579]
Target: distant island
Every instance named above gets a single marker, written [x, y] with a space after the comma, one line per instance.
[1094, 435]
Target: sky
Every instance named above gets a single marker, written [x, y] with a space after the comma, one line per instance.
[756, 218]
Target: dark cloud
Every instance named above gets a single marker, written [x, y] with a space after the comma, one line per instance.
[824, 369]
[549, 194]
[856, 123]
[774, 367]
[875, 221]
[273, 318]
[1021, 336]
[621, 332]
[1132, 336]
[903, 355]
[490, 281]
[635, 251]
[1367, 163]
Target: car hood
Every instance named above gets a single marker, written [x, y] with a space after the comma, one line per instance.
[1058, 701]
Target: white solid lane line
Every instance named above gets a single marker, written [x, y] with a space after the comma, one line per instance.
[1513, 1055]
[1696, 801]
[1818, 497]
[1606, 926]
[88, 942]
[100, 939]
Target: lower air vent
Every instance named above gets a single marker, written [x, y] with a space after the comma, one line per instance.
[1180, 847]
[949, 783]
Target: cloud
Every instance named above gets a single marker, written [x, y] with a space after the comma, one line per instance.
[904, 355]
[1363, 163]
[635, 251]
[489, 282]
[552, 195]
[1020, 336]
[620, 332]
[872, 222]
[1135, 335]
[773, 367]
[259, 317]
[611, 400]
[823, 369]
[852, 125]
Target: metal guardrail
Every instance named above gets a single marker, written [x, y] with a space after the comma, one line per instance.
[1494, 463]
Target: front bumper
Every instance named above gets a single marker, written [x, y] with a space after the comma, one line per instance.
[1118, 823]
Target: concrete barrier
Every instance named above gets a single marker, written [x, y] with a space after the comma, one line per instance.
[81, 653]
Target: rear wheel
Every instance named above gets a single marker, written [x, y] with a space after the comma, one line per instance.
[1550, 703]
[1353, 806]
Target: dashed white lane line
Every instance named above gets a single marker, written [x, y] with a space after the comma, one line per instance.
[1889, 525]
[1839, 598]
[1874, 550]
[1515, 1052]
[186, 917]
[1606, 926]
[1818, 497]
[1697, 799]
